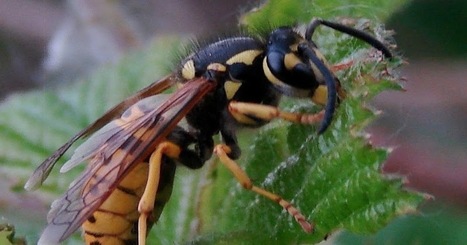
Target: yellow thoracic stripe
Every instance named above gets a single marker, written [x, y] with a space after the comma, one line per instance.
[246, 57]
[282, 85]
[320, 96]
[291, 60]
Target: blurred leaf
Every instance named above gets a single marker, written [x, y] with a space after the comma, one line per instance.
[7, 236]
[277, 13]
[432, 29]
[439, 224]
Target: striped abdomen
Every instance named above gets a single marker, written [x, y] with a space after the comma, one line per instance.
[116, 220]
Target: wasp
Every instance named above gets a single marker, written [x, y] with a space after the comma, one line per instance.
[133, 149]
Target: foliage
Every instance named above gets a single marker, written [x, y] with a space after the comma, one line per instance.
[7, 236]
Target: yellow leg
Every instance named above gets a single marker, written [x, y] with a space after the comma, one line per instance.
[268, 113]
[146, 204]
[222, 150]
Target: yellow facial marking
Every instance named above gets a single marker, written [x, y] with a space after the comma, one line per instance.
[320, 95]
[291, 60]
[188, 70]
[273, 79]
[245, 57]
[231, 88]
[294, 47]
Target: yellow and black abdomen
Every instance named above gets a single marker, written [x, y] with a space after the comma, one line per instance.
[116, 220]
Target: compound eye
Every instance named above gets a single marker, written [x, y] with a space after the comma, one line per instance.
[275, 62]
[281, 39]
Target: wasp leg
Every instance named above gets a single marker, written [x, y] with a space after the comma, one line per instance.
[146, 204]
[222, 150]
[266, 112]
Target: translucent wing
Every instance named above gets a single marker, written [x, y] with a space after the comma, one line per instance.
[130, 118]
[119, 145]
[41, 173]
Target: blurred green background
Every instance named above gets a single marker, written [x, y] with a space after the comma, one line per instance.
[426, 124]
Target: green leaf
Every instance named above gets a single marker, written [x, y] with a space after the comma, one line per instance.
[439, 224]
[334, 179]
[7, 236]
[276, 13]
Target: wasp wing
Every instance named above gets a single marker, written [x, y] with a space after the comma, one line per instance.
[41, 172]
[133, 140]
[115, 131]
